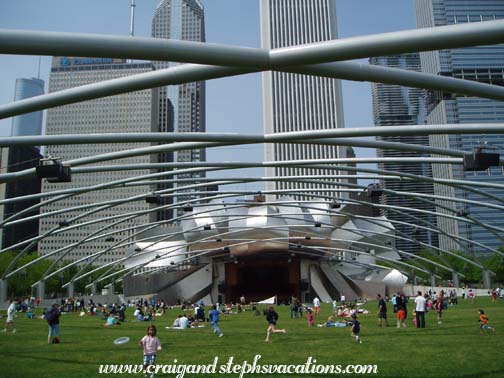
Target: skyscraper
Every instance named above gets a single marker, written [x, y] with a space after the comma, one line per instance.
[395, 105]
[129, 112]
[18, 158]
[30, 123]
[181, 107]
[483, 64]
[295, 102]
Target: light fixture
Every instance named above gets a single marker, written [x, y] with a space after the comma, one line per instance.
[335, 205]
[153, 198]
[480, 160]
[374, 190]
[53, 170]
[462, 213]
[187, 208]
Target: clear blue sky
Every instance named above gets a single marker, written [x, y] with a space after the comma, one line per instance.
[233, 104]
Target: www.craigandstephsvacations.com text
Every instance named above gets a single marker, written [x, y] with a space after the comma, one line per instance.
[241, 369]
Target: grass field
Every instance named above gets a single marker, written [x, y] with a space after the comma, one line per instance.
[454, 348]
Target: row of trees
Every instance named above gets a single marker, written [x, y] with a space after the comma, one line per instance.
[19, 285]
[492, 262]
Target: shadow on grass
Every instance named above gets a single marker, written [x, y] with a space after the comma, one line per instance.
[48, 359]
[493, 373]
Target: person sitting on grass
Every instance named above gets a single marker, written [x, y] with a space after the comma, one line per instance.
[111, 321]
[121, 313]
[193, 323]
[330, 322]
[140, 315]
[342, 312]
[183, 322]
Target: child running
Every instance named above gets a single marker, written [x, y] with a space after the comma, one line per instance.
[272, 317]
[213, 315]
[151, 345]
[309, 317]
[356, 328]
[484, 321]
[401, 317]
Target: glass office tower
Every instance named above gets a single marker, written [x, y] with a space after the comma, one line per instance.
[30, 123]
[181, 107]
[394, 105]
[18, 158]
[483, 64]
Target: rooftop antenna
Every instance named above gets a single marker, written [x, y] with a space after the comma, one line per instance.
[132, 24]
[132, 20]
[39, 61]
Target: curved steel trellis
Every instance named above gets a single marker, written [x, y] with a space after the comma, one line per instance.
[308, 59]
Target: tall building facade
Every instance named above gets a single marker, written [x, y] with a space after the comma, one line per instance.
[129, 112]
[18, 158]
[181, 107]
[30, 123]
[394, 105]
[483, 64]
[295, 102]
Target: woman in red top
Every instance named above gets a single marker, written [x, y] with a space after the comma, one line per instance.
[439, 306]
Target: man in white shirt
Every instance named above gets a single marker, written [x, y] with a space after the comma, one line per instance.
[11, 311]
[316, 304]
[184, 322]
[420, 306]
[176, 322]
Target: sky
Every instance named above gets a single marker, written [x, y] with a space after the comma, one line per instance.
[233, 104]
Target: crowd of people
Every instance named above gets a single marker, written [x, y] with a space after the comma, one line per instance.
[344, 314]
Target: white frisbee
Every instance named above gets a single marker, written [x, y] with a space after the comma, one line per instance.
[121, 340]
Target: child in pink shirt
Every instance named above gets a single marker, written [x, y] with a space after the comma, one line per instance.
[309, 317]
[150, 344]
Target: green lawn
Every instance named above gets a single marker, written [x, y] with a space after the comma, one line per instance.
[452, 349]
